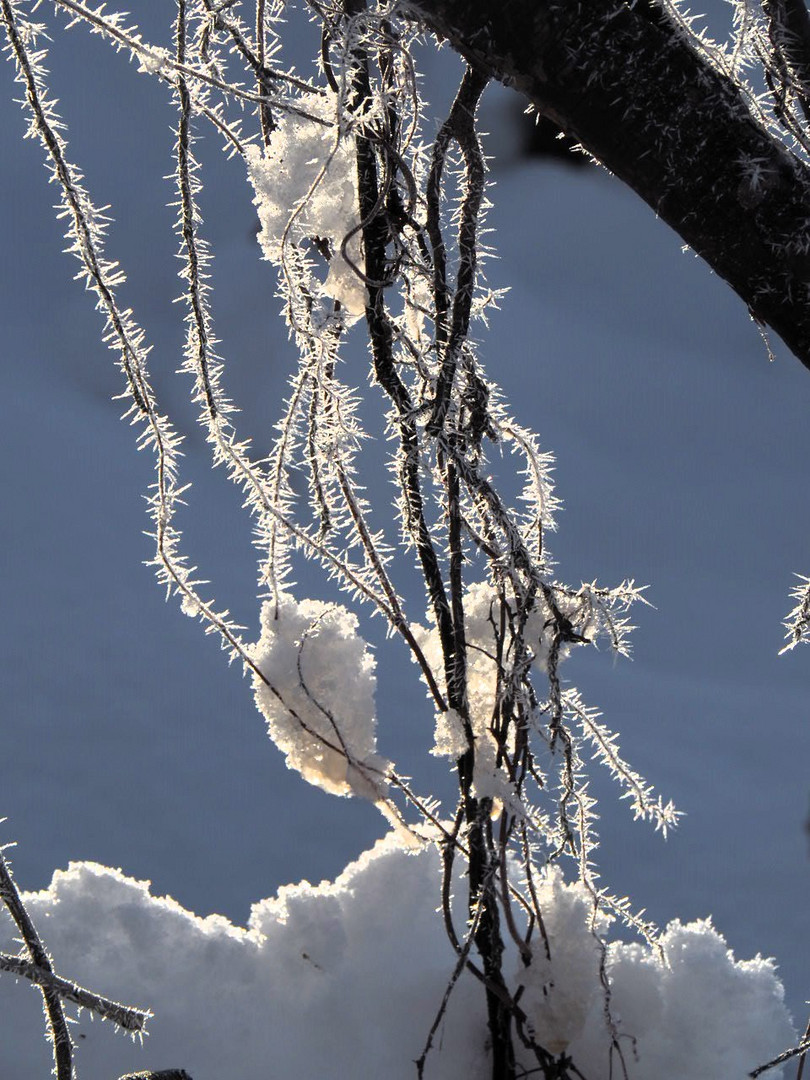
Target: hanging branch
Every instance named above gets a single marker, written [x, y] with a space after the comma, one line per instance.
[459, 125]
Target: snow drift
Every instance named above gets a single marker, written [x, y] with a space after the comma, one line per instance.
[345, 979]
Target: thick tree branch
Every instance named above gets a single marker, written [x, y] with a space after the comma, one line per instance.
[628, 84]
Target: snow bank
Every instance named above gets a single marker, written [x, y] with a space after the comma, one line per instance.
[344, 979]
[690, 1012]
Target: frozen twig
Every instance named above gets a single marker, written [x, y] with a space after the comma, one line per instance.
[57, 1024]
[799, 1051]
[123, 1016]
[163, 1074]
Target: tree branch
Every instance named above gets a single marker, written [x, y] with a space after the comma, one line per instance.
[624, 80]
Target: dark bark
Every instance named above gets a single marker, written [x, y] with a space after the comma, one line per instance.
[629, 85]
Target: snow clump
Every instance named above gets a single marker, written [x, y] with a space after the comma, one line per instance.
[310, 165]
[315, 685]
[481, 624]
[684, 1009]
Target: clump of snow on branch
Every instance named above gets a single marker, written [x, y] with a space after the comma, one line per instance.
[482, 607]
[353, 971]
[315, 685]
[306, 190]
[489, 654]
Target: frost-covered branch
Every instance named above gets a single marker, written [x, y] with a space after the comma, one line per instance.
[643, 96]
[797, 623]
[162, 1074]
[123, 1016]
[794, 1052]
[57, 1025]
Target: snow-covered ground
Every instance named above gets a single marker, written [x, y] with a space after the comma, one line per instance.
[345, 980]
[126, 738]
